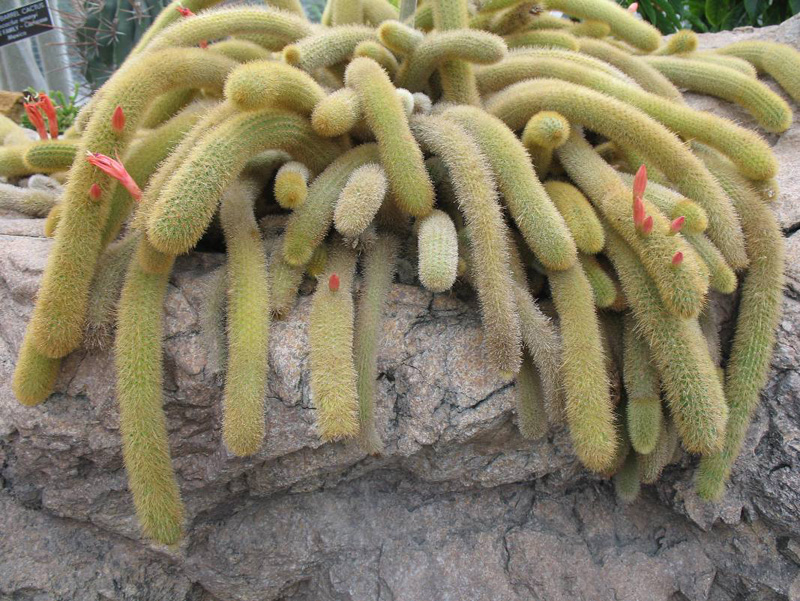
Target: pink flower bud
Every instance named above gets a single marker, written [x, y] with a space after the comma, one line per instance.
[647, 225]
[95, 192]
[333, 283]
[118, 120]
[633, 7]
[185, 12]
[677, 259]
[677, 224]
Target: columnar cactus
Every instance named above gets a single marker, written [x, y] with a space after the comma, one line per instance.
[432, 130]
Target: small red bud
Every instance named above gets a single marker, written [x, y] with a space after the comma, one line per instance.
[633, 7]
[118, 120]
[677, 259]
[333, 283]
[647, 225]
[185, 12]
[640, 182]
[95, 192]
[203, 44]
[677, 224]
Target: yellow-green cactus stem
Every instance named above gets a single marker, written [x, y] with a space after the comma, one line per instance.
[626, 481]
[248, 323]
[521, 56]
[34, 375]
[538, 219]
[531, 413]
[316, 266]
[441, 48]
[633, 66]
[721, 276]
[378, 269]
[400, 155]
[327, 47]
[11, 133]
[142, 160]
[540, 339]
[682, 289]
[143, 424]
[542, 37]
[264, 84]
[30, 201]
[293, 6]
[652, 464]
[437, 244]
[167, 105]
[347, 12]
[547, 20]
[284, 282]
[767, 108]
[590, 29]
[457, 76]
[578, 214]
[674, 205]
[544, 131]
[681, 42]
[488, 235]
[359, 200]
[310, 223]
[169, 15]
[50, 156]
[189, 199]
[12, 161]
[643, 387]
[378, 53]
[746, 148]
[688, 375]
[334, 387]
[223, 22]
[242, 51]
[291, 184]
[780, 61]
[589, 409]
[759, 316]
[378, 11]
[603, 287]
[731, 62]
[57, 322]
[623, 24]
[632, 128]
[105, 291]
[399, 38]
[337, 113]
[407, 98]
[52, 220]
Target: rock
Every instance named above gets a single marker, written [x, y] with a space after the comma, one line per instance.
[458, 507]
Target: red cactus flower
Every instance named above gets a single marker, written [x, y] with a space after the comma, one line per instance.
[677, 259]
[95, 192]
[35, 116]
[333, 283]
[185, 12]
[677, 224]
[203, 44]
[118, 120]
[115, 169]
[50, 112]
[647, 225]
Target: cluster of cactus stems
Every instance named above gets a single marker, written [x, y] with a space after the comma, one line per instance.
[500, 145]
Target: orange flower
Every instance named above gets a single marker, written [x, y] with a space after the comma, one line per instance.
[35, 116]
[50, 112]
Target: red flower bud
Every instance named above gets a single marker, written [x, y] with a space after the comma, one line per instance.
[36, 119]
[638, 212]
[95, 192]
[633, 7]
[640, 182]
[647, 225]
[333, 283]
[118, 120]
[185, 12]
[677, 259]
[677, 224]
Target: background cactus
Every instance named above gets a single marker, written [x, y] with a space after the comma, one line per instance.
[428, 135]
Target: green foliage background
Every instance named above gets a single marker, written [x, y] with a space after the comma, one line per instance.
[714, 15]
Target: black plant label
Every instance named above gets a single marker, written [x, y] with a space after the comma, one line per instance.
[25, 22]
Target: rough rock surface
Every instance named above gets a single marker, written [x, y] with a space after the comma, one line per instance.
[459, 507]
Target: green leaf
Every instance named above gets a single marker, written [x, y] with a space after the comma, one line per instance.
[716, 10]
[795, 6]
[751, 6]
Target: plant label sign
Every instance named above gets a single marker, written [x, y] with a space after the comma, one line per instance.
[25, 22]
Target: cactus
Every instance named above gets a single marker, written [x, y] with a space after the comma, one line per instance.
[212, 103]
